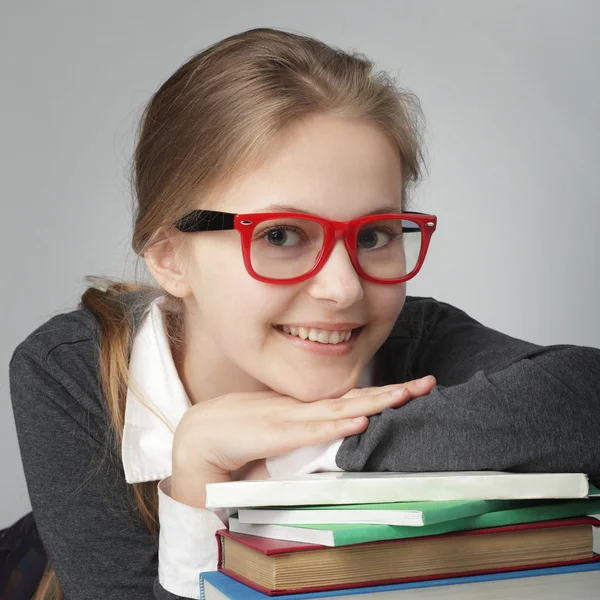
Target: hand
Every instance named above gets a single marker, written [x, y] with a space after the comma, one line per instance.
[255, 469]
[219, 436]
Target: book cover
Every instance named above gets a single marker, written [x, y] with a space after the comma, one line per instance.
[370, 487]
[341, 535]
[272, 547]
[554, 583]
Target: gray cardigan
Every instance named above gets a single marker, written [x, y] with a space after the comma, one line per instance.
[501, 403]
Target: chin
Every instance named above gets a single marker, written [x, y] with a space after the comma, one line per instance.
[315, 390]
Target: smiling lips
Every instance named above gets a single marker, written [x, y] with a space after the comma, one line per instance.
[323, 336]
[323, 333]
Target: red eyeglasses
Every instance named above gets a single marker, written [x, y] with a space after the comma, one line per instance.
[287, 247]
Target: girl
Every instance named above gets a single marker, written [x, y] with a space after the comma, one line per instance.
[272, 176]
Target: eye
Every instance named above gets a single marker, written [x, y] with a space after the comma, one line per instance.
[282, 236]
[372, 239]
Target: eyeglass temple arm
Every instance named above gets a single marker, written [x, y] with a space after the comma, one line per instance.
[205, 220]
[212, 220]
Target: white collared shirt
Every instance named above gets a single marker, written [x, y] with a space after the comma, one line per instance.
[156, 401]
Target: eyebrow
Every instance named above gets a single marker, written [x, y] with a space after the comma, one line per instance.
[285, 208]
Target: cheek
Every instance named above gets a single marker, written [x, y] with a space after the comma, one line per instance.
[385, 301]
[251, 306]
[232, 304]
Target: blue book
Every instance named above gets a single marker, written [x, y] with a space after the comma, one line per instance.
[556, 583]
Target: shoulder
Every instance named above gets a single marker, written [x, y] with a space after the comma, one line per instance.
[54, 374]
[73, 333]
[420, 308]
[424, 325]
[422, 313]
[428, 307]
[64, 350]
[74, 329]
[58, 364]
[55, 386]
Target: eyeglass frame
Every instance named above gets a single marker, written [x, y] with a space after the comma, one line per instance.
[245, 223]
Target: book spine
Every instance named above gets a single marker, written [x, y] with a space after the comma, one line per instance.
[202, 594]
[220, 549]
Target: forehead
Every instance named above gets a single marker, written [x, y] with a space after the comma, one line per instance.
[332, 167]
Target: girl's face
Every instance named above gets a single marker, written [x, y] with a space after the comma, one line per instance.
[240, 329]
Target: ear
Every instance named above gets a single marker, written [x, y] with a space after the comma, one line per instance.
[164, 263]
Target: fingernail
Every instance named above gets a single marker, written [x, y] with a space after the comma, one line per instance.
[426, 380]
[398, 393]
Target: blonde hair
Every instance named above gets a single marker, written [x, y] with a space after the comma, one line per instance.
[219, 114]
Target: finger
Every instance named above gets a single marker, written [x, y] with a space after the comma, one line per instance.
[348, 408]
[363, 402]
[419, 387]
[299, 434]
[414, 386]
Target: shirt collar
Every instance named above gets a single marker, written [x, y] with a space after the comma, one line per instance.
[156, 401]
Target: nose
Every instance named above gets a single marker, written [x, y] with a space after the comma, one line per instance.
[337, 281]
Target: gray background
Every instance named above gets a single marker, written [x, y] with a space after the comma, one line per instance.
[510, 89]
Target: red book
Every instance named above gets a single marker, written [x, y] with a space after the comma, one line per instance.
[276, 567]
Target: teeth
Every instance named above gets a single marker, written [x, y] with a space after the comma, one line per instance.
[318, 335]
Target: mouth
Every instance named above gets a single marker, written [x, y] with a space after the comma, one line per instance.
[332, 337]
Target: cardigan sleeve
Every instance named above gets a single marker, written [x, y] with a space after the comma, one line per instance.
[500, 403]
[83, 507]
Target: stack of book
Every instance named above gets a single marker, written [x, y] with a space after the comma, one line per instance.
[406, 535]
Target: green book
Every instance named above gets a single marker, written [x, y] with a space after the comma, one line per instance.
[343, 535]
[414, 514]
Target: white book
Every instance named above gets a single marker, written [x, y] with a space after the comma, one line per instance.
[367, 487]
[408, 514]
[282, 516]
[283, 532]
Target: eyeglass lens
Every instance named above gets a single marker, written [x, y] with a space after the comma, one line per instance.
[290, 247]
